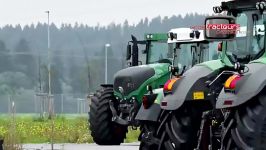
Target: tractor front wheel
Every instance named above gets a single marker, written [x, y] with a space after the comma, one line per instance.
[103, 130]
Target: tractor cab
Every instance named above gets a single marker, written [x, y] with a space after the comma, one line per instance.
[190, 48]
[153, 49]
[245, 42]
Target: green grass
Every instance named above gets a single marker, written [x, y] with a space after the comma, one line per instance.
[132, 135]
[67, 129]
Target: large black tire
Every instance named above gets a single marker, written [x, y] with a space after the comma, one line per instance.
[151, 127]
[246, 126]
[178, 129]
[103, 130]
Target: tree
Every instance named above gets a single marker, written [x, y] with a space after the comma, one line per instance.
[25, 60]
[5, 62]
[57, 75]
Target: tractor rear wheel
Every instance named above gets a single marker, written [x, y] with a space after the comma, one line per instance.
[179, 130]
[246, 126]
[103, 130]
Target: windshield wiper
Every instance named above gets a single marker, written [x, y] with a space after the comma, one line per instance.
[257, 36]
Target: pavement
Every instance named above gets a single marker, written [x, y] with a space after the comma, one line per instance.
[68, 146]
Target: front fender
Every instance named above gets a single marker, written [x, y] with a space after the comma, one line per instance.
[250, 84]
[182, 87]
[152, 113]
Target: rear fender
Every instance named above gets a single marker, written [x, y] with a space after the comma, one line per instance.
[250, 85]
[153, 112]
[183, 86]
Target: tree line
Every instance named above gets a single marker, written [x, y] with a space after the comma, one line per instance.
[77, 62]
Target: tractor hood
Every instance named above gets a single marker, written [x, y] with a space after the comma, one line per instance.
[130, 79]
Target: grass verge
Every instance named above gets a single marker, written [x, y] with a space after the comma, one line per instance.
[30, 129]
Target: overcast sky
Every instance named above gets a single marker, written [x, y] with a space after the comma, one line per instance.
[92, 12]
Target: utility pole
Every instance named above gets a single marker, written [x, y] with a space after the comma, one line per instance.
[40, 74]
[50, 105]
[49, 53]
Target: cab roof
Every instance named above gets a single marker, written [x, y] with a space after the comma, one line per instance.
[156, 36]
[183, 35]
[239, 4]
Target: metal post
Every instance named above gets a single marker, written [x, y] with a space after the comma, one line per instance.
[84, 105]
[106, 48]
[8, 103]
[41, 106]
[62, 103]
[35, 104]
[77, 106]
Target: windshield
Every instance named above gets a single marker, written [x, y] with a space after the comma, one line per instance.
[184, 55]
[159, 51]
[190, 54]
[249, 41]
[212, 51]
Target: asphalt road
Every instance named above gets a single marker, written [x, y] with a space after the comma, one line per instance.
[125, 146]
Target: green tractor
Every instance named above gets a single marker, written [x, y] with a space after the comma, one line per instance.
[220, 104]
[190, 48]
[114, 106]
[244, 93]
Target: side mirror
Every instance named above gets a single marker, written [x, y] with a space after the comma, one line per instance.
[220, 47]
[174, 70]
[217, 28]
[128, 51]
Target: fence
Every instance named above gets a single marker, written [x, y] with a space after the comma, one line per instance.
[39, 103]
